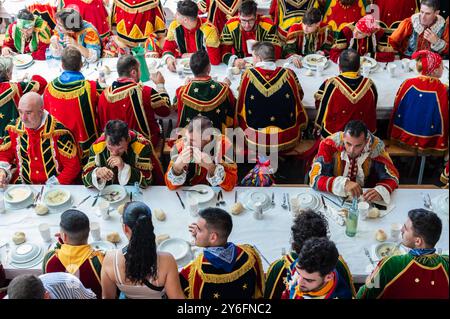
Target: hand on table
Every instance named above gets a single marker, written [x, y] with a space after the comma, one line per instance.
[7, 51]
[372, 195]
[157, 78]
[104, 174]
[353, 189]
[171, 64]
[227, 81]
[296, 61]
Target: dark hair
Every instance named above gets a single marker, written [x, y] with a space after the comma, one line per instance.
[217, 220]
[248, 8]
[71, 59]
[199, 62]
[24, 14]
[187, 8]
[265, 50]
[75, 225]
[205, 123]
[312, 16]
[116, 131]
[434, 4]
[349, 61]
[318, 255]
[126, 64]
[141, 257]
[71, 19]
[355, 128]
[26, 287]
[306, 225]
[426, 224]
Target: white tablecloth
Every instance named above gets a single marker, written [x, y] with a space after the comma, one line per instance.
[270, 235]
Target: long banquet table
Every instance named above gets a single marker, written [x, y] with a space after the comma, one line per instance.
[386, 86]
[271, 235]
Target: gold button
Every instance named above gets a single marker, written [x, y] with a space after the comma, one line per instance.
[416, 280]
[432, 283]
[416, 143]
[389, 14]
[35, 158]
[37, 172]
[420, 95]
[343, 111]
[432, 126]
[399, 115]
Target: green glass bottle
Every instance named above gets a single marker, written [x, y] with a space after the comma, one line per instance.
[352, 219]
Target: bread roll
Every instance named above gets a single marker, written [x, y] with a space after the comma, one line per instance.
[380, 235]
[113, 237]
[373, 213]
[343, 212]
[41, 209]
[159, 214]
[161, 238]
[18, 238]
[237, 208]
[120, 209]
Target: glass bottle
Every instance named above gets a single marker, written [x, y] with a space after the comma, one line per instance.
[352, 219]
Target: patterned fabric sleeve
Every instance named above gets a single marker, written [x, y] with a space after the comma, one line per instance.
[226, 42]
[89, 168]
[272, 37]
[141, 172]
[399, 38]
[321, 175]
[71, 168]
[37, 84]
[212, 40]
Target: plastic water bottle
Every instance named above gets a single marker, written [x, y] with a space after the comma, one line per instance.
[137, 193]
[352, 219]
[49, 58]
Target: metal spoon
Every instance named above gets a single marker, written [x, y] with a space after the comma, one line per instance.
[201, 191]
[284, 205]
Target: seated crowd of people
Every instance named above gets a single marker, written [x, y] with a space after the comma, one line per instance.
[71, 130]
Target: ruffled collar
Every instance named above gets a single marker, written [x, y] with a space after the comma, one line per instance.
[419, 28]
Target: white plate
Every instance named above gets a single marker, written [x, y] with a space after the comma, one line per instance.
[377, 253]
[253, 197]
[177, 247]
[365, 59]
[312, 60]
[440, 204]
[308, 201]
[16, 195]
[63, 197]
[122, 193]
[248, 60]
[37, 261]
[25, 253]
[202, 198]
[102, 245]
[22, 60]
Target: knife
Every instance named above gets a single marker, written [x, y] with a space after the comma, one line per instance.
[96, 199]
[85, 199]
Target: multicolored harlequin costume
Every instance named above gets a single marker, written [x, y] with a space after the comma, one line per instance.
[72, 100]
[332, 167]
[376, 44]
[33, 156]
[224, 176]
[136, 105]
[409, 276]
[234, 39]
[10, 94]
[394, 12]
[207, 97]
[203, 278]
[346, 97]
[36, 45]
[180, 40]
[82, 261]
[270, 106]
[220, 11]
[88, 38]
[152, 47]
[285, 13]
[141, 165]
[409, 37]
[135, 20]
[340, 287]
[280, 271]
[46, 10]
[419, 119]
[300, 43]
[92, 11]
[337, 15]
[444, 175]
[113, 47]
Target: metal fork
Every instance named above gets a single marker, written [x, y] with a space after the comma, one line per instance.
[366, 251]
[284, 205]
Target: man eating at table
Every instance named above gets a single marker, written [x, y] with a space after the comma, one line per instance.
[366, 37]
[202, 155]
[419, 118]
[425, 30]
[29, 34]
[308, 224]
[37, 147]
[348, 96]
[72, 100]
[134, 103]
[309, 36]
[121, 156]
[419, 274]
[314, 274]
[73, 254]
[223, 270]
[350, 160]
[189, 33]
[240, 31]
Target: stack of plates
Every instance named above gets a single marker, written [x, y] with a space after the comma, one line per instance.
[186, 65]
[26, 256]
[18, 197]
[311, 61]
[22, 61]
[308, 201]
[256, 196]
[179, 249]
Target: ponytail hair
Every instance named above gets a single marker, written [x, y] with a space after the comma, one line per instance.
[141, 256]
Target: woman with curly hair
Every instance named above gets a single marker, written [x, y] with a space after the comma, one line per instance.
[138, 270]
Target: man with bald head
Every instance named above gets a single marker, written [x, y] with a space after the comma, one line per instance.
[37, 147]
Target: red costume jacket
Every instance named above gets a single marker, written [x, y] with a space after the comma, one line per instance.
[220, 11]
